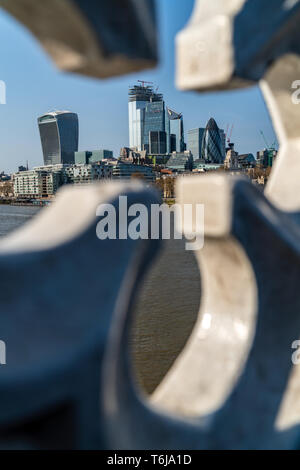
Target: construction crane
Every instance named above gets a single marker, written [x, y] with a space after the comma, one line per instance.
[143, 83]
[230, 134]
[269, 148]
[274, 145]
[264, 138]
[227, 129]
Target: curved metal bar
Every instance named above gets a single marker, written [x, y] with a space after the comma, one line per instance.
[95, 38]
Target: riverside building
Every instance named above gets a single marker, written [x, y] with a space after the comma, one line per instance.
[44, 181]
[36, 183]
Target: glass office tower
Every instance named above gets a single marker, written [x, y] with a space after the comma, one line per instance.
[180, 162]
[194, 141]
[139, 98]
[223, 141]
[148, 113]
[157, 143]
[174, 126]
[173, 142]
[154, 121]
[212, 145]
[59, 136]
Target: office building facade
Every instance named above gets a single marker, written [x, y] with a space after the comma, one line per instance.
[36, 183]
[148, 114]
[231, 161]
[44, 181]
[265, 158]
[180, 161]
[93, 156]
[139, 98]
[127, 170]
[247, 160]
[223, 143]
[157, 142]
[194, 141]
[154, 121]
[59, 132]
[212, 145]
[174, 131]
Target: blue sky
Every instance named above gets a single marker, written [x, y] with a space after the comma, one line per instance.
[35, 86]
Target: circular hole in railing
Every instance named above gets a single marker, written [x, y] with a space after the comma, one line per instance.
[165, 313]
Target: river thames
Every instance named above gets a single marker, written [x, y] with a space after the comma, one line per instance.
[166, 309]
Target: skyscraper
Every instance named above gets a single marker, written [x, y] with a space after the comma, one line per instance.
[59, 136]
[148, 114]
[139, 97]
[174, 126]
[223, 141]
[194, 141]
[157, 144]
[212, 145]
[154, 121]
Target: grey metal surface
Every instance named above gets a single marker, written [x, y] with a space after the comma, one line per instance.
[95, 38]
[234, 385]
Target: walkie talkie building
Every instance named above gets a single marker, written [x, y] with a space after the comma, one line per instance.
[59, 136]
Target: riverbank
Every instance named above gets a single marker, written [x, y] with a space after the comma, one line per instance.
[31, 203]
[46, 202]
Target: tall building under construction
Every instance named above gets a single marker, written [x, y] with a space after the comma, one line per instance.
[152, 125]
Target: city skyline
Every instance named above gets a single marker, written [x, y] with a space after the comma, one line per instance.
[34, 86]
[153, 126]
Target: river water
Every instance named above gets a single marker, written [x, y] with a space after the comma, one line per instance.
[166, 309]
[12, 217]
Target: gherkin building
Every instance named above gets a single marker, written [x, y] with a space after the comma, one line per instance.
[211, 150]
